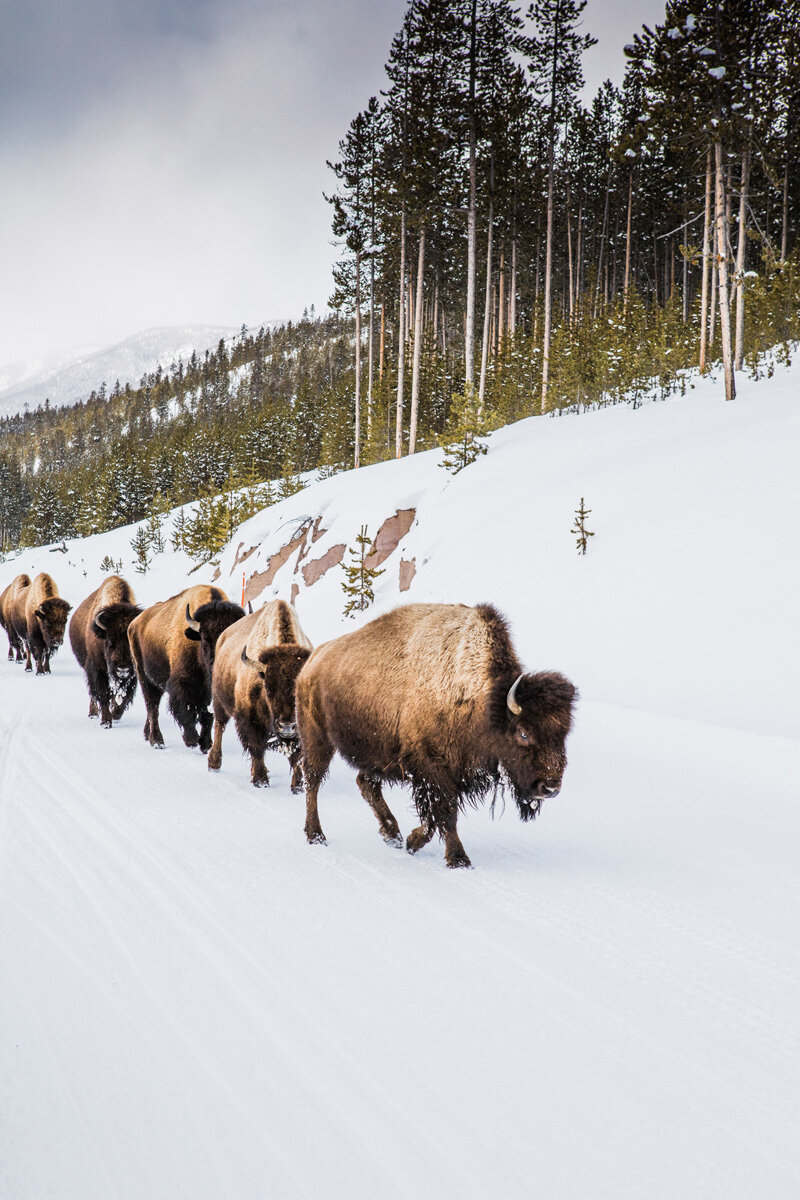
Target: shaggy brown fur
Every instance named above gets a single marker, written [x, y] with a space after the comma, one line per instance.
[44, 623]
[171, 656]
[98, 633]
[260, 698]
[421, 695]
[8, 599]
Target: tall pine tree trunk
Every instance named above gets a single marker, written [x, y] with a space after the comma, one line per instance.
[571, 282]
[419, 326]
[512, 304]
[486, 310]
[785, 213]
[722, 268]
[706, 266]
[469, 325]
[548, 278]
[738, 357]
[357, 455]
[401, 341]
[371, 366]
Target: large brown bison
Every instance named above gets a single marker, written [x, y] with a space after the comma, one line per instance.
[173, 645]
[39, 616]
[8, 598]
[432, 694]
[255, 669]
[98, 632]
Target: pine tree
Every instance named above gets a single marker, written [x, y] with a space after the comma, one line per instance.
[464, 438]
[579, 528]
[359, 578]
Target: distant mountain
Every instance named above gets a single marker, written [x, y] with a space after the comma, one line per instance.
[74, 376]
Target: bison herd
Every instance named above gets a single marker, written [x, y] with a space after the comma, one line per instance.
[429, 694]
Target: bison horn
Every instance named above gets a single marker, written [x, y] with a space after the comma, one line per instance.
[511, 699]
[99, 618]
[190, 621]
[249, 662]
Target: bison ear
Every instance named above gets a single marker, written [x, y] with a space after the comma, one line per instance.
[39, 612]
[98, 630]
[192, 634]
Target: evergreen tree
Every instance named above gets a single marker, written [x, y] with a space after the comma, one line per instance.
[359, 578]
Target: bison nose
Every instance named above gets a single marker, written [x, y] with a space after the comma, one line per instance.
[550, 789]
[287, 729]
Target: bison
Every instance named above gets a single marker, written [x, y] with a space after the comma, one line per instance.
[435, 695]
[39, 616]
[8, 599]
[173, 644]
[255, 669]
[98, 632]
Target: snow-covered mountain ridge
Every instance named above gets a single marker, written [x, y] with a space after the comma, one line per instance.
[604, 1008]
[65, 379]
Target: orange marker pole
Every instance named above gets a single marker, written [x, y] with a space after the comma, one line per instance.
[242, 589]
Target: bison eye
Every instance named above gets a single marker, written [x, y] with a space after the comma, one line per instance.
[522, 737]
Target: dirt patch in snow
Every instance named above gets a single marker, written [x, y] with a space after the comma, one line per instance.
[389, 535]
[315, 569]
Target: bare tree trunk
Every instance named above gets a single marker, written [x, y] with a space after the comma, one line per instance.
[501, 302]
[571, 284]
[722, 261]
[383, 340]
[738, 358]
[578, 253]
[602, 247]
[419, 326]
[357, 454]
[401, 341]
[785, 216]
[486, 310]
[706, 265]
[548, 283]
[469, 330]
[371, 368]
[512, 306]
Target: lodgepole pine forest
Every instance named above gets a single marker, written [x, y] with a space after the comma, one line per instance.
[505, 250]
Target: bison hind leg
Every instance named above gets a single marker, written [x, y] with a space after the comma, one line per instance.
[94, 711]
[370, 788]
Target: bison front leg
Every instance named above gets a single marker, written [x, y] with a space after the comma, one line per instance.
[206, 723]
[94, 711]
[215, 753]
[371, 791]
[295, 757]
[152, 699]
[454, 853]
[418, 838]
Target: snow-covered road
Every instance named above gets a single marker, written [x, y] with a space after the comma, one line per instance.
[194, 1003]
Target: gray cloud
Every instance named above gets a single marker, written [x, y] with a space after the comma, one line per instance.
[163, 163]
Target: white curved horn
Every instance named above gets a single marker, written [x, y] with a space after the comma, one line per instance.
[511, 698]
[190, 621]
[249, 662]
[98, 620]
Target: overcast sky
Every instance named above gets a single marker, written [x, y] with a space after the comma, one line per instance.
[162, 161]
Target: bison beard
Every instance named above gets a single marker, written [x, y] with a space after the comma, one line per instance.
[433, 695]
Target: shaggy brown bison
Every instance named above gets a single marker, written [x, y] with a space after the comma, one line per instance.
[433, 694]
[173, 644]
[98, 632]
[16, 647]
[39, 615]
[255, 669]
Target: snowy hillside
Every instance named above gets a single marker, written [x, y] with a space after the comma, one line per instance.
[73, 377]
[194, 1002]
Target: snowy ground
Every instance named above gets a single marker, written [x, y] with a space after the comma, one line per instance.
[194, 1003]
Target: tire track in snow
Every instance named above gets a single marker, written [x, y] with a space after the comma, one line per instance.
[187, 905]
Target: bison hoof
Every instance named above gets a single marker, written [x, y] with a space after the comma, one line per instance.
[316, 838]
[262, 781]
[458, 860]
[393, 839]
[214, 764]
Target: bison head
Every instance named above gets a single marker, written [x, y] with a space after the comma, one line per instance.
[279, 667]
[52, 617]
[207, 623]
[533, 718]
[110, 624]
